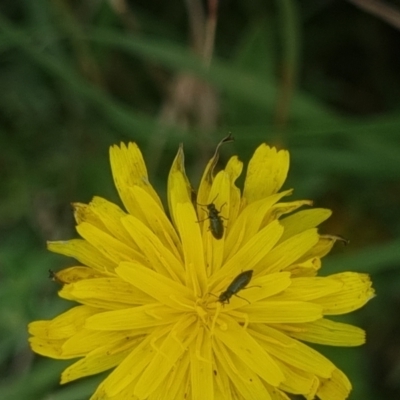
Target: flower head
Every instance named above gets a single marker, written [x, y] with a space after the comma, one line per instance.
[214, 301]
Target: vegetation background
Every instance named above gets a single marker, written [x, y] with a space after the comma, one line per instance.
[321, 78]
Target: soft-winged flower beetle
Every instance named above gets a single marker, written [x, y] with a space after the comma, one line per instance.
[238, 284]
[216, 224]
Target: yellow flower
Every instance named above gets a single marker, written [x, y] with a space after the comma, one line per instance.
[159, 303]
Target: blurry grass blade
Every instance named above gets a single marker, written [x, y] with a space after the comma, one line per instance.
[258, 90]
[119, 115]
[290, 39]
[371, 260]
[366, 164]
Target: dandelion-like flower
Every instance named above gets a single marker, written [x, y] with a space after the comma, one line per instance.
[214, 301]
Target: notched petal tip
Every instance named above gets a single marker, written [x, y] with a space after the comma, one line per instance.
[266, 172]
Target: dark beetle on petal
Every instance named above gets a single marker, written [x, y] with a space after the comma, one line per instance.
[216, 223]
[238, 284]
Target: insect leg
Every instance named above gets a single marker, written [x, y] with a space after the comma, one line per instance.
[240, 297]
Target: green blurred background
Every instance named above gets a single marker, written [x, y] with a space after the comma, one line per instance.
[320, 78]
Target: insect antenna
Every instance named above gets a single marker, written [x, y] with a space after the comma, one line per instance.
[205, 205]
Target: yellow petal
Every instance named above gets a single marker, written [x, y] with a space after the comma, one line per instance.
[291, 351]
[208, 174]
[76, 274]
[48, 347]
[305, 269]
[243, 378]
[266, 173]
[277, 394]
[121, 383]
[108, 293]
[280, 209]
[262, 287]
[129, 369]
[86, 341]
[256, 249]
[178, 382]
[186, 222]
[250, 222]
[287, 252]
[297, 381]
[337, 387]
[171, 350]
[158, 256]
[201, 367]
[156, 220]
[110, 216]
[234, 169]
[321, 249]
[311, 288]
[165, 290]
[356, 291]
[179, 188]
[272, 312]
[83, 213]
[91, 365]
[140, 317]
[212, 225]
[222, 377]
[303, 220]
[64, 325]
[84, 252]
[219, 196]
[110, 247]
[329, 333]
[248, 350]
[128, 169]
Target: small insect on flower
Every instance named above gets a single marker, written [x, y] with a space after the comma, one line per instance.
[238, 284]
[216, 224]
